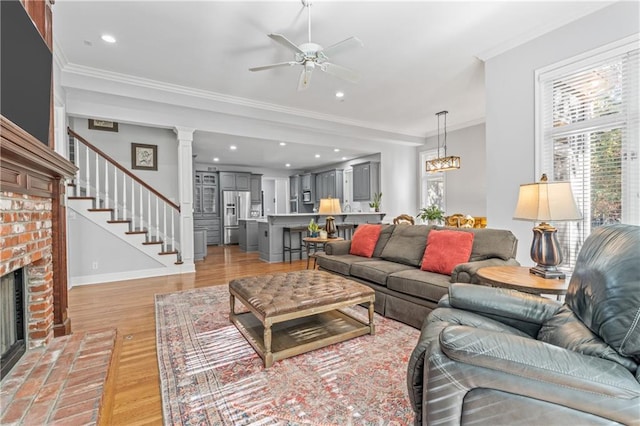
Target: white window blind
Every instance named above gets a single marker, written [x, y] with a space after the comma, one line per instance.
[432, 188]
[588, 135]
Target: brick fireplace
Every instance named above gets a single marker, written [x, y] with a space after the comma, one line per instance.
[27, 243]
[32, 229]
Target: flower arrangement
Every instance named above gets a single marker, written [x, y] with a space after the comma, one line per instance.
[313, 228]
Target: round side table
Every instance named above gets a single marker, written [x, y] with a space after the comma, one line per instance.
[519, 278]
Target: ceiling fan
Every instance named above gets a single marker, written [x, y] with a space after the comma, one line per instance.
[311, 56]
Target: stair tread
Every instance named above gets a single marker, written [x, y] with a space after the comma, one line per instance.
[100, 210]
[81, 198]
[179, 262]
[168, 252]
[135, 232]
[148, 243]
[119, 221]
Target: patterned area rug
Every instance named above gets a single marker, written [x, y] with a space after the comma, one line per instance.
[210, 375]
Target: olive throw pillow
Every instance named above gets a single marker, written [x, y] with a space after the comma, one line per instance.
[446, 249]
[364, 240]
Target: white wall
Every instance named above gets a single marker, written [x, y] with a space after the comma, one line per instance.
[118, 146]
[466, 189]
[510, 107]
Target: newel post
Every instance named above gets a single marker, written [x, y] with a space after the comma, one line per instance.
[185, 191]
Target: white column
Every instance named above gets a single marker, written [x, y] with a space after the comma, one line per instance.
[185, 192]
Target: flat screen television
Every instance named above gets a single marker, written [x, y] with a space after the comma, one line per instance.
[25, 71]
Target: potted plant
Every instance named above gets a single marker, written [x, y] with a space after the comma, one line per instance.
[432, 214]
[375, 203]
[313, 228]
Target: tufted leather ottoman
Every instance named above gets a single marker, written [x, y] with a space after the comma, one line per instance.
[296, 312]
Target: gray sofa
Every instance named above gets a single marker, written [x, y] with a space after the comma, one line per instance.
[500, 357]
[403, 291]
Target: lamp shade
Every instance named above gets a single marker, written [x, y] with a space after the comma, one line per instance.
[546, 201]
[329, 206]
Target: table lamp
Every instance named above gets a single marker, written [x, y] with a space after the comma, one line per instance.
[541, 202]
[329, 206]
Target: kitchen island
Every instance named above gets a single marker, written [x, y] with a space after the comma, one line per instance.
[270, 229]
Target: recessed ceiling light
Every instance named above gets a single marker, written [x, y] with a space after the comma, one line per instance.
[282, 143]
[233, 147]
[336, 150]
[339, 95]
[287, 165]
[108, 38]
[344, 158]
[317, 155]
[216, 159]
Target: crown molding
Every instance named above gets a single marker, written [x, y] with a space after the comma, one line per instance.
[114, 77]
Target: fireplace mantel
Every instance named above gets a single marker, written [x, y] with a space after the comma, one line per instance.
[21, 149]
[30, 168]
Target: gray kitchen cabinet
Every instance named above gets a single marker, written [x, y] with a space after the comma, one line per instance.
[256, 189]
[294, 187]
[213, 229]
[206, 213]
[307, 181]
[235, 181]
[366, 180]
[205, 197]
[331, 184]
[319, 187]
[248, 233]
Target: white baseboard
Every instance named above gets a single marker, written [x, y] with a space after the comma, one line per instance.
[132, 275]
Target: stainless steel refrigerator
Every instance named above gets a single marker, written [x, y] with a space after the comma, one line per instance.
[236, 205]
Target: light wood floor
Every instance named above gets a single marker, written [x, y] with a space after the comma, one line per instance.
[129, 307]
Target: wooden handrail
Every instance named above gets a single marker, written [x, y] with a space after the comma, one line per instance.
[125, 171]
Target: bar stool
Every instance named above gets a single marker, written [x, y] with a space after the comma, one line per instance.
[346, 230]
[286, 238]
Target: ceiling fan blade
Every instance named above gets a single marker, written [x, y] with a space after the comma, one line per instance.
[305, 78]
[341, 45]
[285, 42]
[341, 72]
[278, 65]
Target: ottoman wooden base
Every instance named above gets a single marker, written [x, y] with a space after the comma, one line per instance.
[280, 326]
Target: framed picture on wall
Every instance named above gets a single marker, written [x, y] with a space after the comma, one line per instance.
[109, 126]
[144, 157]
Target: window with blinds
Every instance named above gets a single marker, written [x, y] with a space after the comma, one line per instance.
[588, 135]
[431, 184]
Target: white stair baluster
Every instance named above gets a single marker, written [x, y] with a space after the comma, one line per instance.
[98, 179]
[133, 205]
[157, 220]
[106, 185]
[76, 158]
[149, 229]
[87, 174]
[164, 223]
[115, 193]
[124, 196]
[141, 211]
[173, 235]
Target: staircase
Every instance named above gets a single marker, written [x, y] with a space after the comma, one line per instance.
[107, 194]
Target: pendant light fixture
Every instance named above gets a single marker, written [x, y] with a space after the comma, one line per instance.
[443, 164]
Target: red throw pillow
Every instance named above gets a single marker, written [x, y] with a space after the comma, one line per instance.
[364, 240]
[446, 249]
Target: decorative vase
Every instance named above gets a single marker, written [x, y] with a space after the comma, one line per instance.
[323, 235]
[314, 234]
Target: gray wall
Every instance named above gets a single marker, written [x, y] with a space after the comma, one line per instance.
[466, 189]
[118, 146]
[510, 107]
[89, 243]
